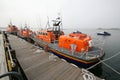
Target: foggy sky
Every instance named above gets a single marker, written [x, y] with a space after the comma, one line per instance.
[75, 13]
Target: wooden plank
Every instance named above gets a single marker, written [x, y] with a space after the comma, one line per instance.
[52, 71]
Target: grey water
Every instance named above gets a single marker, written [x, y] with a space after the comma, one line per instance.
[111, 46]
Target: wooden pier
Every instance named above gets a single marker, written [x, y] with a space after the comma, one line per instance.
[40, 65]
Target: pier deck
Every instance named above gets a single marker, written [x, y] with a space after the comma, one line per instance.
[40, 65]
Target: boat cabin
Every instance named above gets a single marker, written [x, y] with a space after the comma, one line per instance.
[48, 36]
[51, 35]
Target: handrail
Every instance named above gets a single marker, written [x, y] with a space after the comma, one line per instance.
[15, 74]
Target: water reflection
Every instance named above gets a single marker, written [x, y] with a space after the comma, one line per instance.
[97, 70]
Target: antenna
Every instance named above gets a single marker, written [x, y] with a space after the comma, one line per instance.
[25, 25]
[48, 24]
[21, 26]
[10, 21]
[60, 19]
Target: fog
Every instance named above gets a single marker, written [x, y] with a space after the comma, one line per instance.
[74, 13]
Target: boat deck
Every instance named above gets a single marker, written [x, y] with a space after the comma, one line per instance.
[94, 53]
[40, 65]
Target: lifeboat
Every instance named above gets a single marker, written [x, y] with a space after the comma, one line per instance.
[25, 33]
[76, 47]
[12, 29]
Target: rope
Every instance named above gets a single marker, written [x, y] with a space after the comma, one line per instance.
[102, 61]
[111, 68]
[93, 65]
[112, 56]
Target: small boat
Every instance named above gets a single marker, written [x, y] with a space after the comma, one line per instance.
[104, 33]
[76, 47]
[12, 29]
[25, 33]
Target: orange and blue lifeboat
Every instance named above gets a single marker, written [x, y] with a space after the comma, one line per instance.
[77, 48]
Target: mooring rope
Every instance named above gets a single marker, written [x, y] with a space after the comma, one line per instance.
[103, 61]
[111, 68]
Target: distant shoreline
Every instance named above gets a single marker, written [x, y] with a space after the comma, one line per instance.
[108, 28]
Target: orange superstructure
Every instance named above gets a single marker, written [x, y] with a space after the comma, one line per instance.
[48, 36]
[80, 40]
[25, 32]
[12, 29]
[52, 34]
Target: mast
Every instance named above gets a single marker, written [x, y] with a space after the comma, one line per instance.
[48, 24]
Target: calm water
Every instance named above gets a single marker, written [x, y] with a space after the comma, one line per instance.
[111, 46]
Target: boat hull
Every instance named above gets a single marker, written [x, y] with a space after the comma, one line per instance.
[103, 34]
[26, 38]
[13, 33]
[78, 62]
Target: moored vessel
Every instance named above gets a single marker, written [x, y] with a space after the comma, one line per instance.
[104, 33]
[76, 47]
[25, 33]
[12, 29]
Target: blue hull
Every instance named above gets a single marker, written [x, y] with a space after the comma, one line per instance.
[104, 34]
